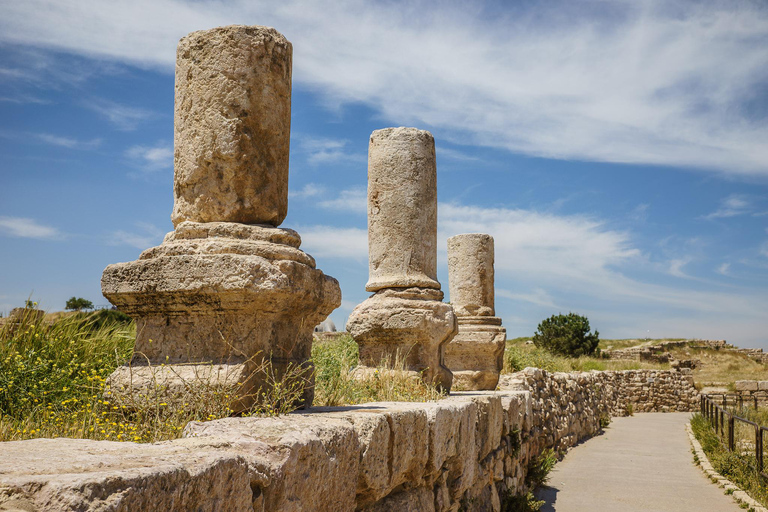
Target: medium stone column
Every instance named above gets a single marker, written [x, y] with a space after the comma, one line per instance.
[475, 355]
[227, 289]
[405, 319]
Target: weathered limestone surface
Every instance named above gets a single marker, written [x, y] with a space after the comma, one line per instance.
[232, 126]
[405, 320]
[471, 274]
[227, 287]
[468, 450]
[402, 209]
[475, 354]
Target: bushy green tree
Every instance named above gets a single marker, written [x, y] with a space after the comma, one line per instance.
[566, 335]
[78, 304]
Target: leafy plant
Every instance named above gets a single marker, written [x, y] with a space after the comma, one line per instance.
[567, 335]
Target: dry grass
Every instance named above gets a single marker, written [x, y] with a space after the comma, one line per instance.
[336, 383]
[722, 368]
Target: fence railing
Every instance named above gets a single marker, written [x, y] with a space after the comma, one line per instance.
[725, 423]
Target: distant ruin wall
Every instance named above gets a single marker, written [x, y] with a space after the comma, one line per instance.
[469, 449]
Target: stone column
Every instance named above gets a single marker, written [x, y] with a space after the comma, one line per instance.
[405, 319]
[475, 355]
[227, 289]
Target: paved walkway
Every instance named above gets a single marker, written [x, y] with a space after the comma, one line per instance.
[641, 463]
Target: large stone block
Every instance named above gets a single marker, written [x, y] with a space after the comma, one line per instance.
[232, 126]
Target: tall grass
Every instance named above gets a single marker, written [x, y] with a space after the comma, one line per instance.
[53, 377]
[740, 468]
[336, 382]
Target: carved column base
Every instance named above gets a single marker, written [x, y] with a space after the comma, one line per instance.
[476, 354]
[215, 300]
[408, 328]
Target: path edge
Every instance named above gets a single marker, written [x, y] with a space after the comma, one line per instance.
[738, 495]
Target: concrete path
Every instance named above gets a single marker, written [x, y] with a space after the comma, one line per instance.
[641, 463]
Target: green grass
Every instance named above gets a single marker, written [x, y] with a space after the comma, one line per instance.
[53, 376]
[740, 468]
[519, 355]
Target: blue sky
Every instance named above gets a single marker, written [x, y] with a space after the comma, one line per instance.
[616, 150]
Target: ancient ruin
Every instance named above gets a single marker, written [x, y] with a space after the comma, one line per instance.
[227, 288]
[475, 355]
[405, 319]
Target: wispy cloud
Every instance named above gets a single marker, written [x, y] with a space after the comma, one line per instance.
[152, 158]
[148, 235]
[124, 117]
[24, 99]
[676, 267]
[724, 269]
[24, 227]
[732, 206]
[351, 200]
[321, 150]
[653, 82]
[68, 142]
[335, 242]
[307, 191]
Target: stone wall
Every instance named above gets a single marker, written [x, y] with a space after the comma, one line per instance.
[467, 450]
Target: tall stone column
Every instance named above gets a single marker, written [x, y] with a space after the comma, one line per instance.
[475, 355]
[405, 318]
[227, 288]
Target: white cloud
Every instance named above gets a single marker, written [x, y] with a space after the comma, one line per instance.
[724, 269]
[676, 267]
[152, 158]
[148, 236]
[23, 227]
[352, 200]
[307, 191]
[732, 206]
[554, 247]
[322, 150]
[122, 116]
[68, 142]
[640, 82]
[335, 242]
[537, 296]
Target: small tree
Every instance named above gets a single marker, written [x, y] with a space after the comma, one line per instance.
[78, 304]
[566, 335]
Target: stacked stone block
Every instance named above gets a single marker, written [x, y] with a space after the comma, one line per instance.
[405, 319]
[461, 453]
[475, 355]
[228, 288]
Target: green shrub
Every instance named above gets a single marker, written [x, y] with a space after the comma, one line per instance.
[566, 335]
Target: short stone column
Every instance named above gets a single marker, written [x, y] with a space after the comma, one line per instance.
[405, 319]
[476, 353]
[227, 289]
